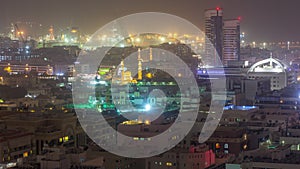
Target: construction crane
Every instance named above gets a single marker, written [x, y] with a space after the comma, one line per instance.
[19, 33]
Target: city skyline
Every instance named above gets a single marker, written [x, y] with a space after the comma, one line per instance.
[160, 84]
[261, 21]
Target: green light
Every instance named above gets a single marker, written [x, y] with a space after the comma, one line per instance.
[103, 71]
[1, 101]
[79, 106]
[271, 147]
[108, 106]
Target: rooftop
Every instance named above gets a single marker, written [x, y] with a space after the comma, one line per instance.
[269, 65]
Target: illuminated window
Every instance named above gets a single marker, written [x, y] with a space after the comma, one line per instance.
[66, 138]
[25, 154]
[226, 146]
[168, 164]
[245, 136]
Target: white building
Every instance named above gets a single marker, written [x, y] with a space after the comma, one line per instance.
[15, 144]
[279, 73]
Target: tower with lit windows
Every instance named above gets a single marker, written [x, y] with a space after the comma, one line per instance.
[231, 41]
[214, 35]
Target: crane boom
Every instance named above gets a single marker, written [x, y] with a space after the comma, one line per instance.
[19, 33]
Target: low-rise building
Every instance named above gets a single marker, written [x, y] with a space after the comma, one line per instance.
[196, 157]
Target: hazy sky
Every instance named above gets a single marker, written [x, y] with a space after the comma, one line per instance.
[262, 20]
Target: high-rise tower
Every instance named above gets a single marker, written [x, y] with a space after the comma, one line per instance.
[214, 35]
[231, 43]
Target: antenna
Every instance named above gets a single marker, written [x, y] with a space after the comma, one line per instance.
[271, 59]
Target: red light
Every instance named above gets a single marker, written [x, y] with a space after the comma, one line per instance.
[218, 8]
[239, 18]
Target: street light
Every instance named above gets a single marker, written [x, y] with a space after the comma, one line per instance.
[147, 107]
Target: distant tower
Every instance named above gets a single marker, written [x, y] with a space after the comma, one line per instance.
[140, 73]
[122, 71]
[151, 57]
[13, 32]
[139, 54]
[231, 41]
[51, 33]
[214, 35]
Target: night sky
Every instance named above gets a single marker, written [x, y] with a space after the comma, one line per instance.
[262, 20]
